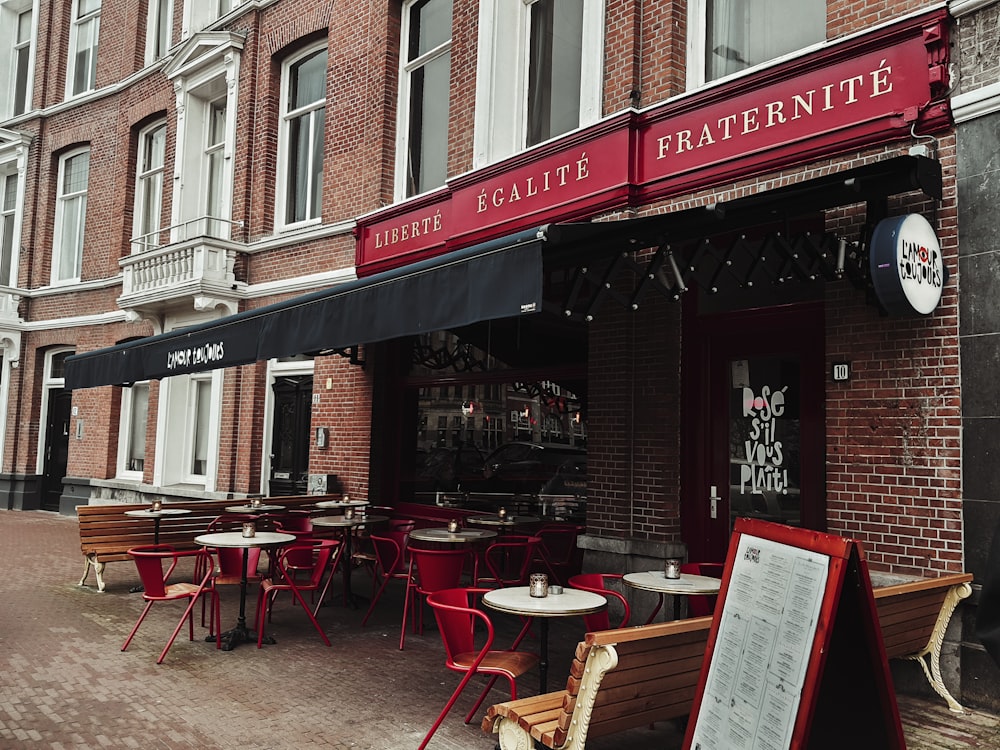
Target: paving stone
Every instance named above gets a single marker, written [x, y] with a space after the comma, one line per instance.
[65, 683]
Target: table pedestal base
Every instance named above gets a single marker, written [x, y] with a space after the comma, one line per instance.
[240, 634]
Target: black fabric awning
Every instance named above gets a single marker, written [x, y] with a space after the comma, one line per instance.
[496, 279]
[502, 278]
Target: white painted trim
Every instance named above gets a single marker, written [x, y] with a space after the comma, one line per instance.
[959, 8]
[979, 103]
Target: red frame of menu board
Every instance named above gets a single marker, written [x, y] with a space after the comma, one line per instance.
[845, 695]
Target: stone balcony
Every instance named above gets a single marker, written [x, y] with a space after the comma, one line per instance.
[193, 272]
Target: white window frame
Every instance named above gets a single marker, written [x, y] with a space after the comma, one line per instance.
[13, 161]
[502, 75]
[11, 48]
[159, 29]
[148, 178]
[125, 431]
[49, 384]
[59, 275]
[285, 117]
[77, 23]
[406, 70]
[204, 70]
[697, 24]
[176, 424]
[277, 368]
[200, 14]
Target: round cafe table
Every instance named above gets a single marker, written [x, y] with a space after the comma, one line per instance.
[688, 583]
[241, 633]
[348, 525]
[516, 600]
[340, 504]
[504, 524]
[442, 535]
[455, 538]
[248, 508]
[156, 515]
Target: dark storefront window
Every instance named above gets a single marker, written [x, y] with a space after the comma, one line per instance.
[504, 436]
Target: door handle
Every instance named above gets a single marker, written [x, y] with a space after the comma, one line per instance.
[713, 500]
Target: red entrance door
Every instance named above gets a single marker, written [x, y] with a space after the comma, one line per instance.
[753, 424]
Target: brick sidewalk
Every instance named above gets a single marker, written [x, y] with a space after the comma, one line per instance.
[66, 684]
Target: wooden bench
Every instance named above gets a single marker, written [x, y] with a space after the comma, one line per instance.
[914, 616]
[107, 534]
[631, 677]
[620, 679]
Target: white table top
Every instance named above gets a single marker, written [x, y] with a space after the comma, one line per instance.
[236, 539]
[340, 503]
[443, 535]
[495, 520]
[253, 508]
[688, 583]
[340, 521]
[150, 513]
[516, 600]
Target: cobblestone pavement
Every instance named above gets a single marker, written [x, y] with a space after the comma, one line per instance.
[65, 683]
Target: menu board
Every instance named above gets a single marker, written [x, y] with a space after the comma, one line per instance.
[762, 649]
[794, 648]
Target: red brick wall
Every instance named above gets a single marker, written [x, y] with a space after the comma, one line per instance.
[893, 431]
[633, 422]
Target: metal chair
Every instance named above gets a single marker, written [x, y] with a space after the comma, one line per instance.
[149, 561]
[702, 604]
[559, 551]
[458, 621]
[229, 570]
[390, 565]
[509, 561]
[598, 584]
[285, 580]
[430, 570]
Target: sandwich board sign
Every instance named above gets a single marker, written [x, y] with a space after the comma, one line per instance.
[795, 657]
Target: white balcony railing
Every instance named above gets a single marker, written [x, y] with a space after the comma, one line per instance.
[197, 261]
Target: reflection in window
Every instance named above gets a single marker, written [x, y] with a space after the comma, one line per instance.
[137, 412]
[535, 427]
[200, 440]
[424, 92]
[556, 45]
[22, 63]
[303, 116]
[84, 33]
[743, 33]
[71, 214]
[149, 187]
[8, 218]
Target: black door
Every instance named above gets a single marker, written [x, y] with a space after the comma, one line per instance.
[290, 437]
[56, 448]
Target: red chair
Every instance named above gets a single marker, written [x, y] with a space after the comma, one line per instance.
[285, 580]
[229, 570]
[390, 565]
[559, 551]
[460, 622]
[700, 605]
[430, 570]
[509, 561]
[598, 584]
[149, 562]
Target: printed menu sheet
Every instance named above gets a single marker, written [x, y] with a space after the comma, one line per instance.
[768, 625]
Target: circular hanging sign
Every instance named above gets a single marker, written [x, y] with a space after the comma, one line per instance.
[906, 265]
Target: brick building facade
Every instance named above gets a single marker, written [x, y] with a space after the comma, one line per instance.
[173, 164]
